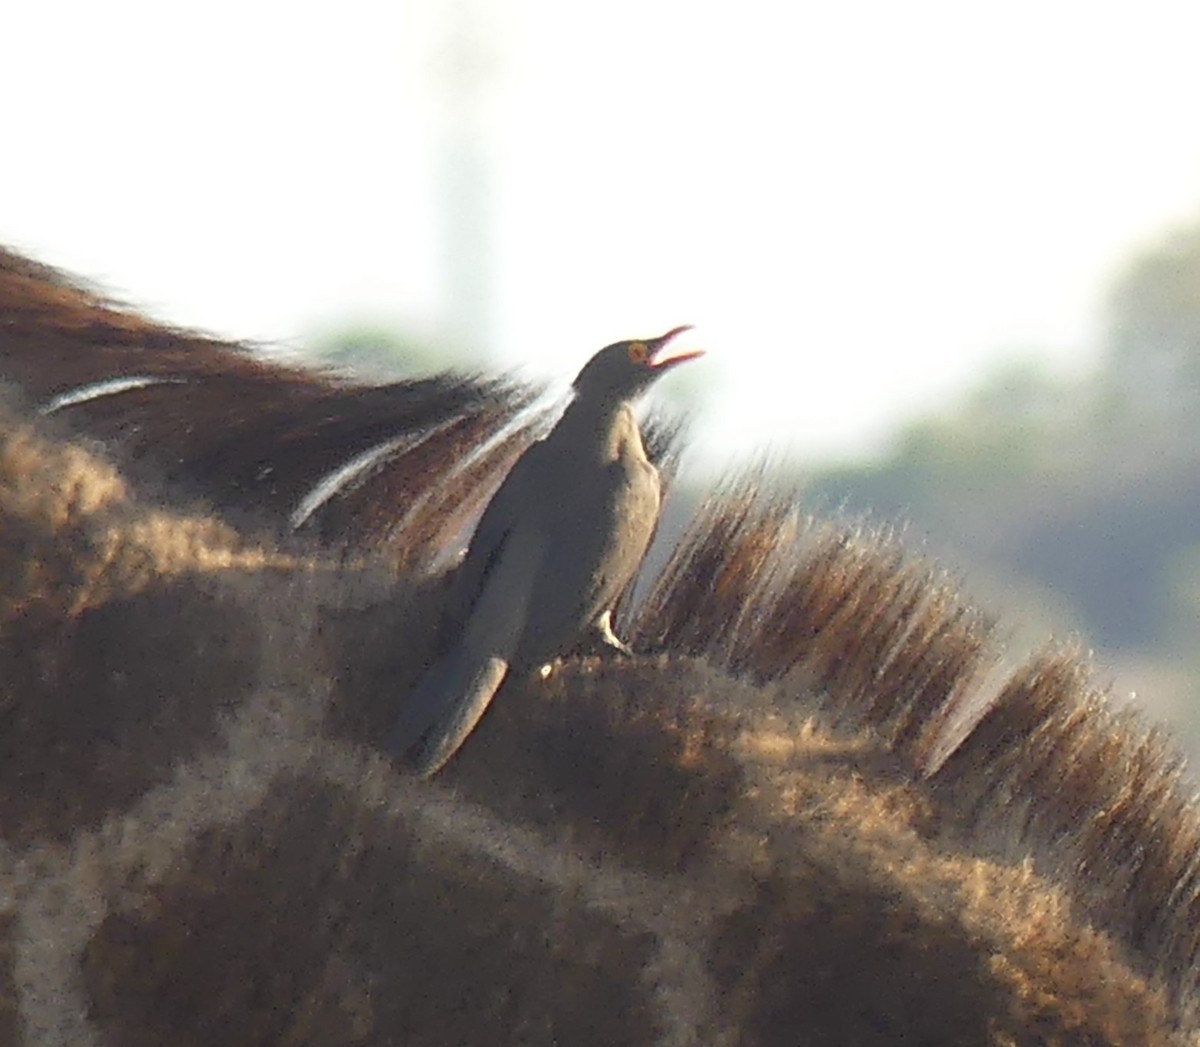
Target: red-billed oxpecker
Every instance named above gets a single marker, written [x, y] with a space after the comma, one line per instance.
[556, 546]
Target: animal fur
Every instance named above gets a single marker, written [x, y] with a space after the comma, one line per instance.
[813, 809]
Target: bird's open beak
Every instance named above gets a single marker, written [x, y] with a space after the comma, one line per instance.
[663, 354]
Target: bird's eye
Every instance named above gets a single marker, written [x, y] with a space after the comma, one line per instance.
[638, 352]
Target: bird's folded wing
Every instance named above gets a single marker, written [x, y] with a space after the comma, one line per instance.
[509, 505]
[451, 696]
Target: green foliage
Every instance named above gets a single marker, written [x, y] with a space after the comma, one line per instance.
[377, 351]
[1014, 426]
[1154, 315]
[1088, 489]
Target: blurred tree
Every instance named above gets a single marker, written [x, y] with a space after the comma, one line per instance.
[1007, 426]
[377, 352]
[1154, 327]
[1089, 489]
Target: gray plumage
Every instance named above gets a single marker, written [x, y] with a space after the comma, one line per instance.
[558, 543]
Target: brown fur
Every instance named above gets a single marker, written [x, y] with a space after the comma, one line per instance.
[806, 812]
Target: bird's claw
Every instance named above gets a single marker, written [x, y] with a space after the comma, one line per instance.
[617, 648]
[608, 641]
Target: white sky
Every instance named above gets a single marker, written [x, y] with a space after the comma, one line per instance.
[862, 205]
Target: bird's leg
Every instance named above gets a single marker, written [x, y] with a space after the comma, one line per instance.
[610, 641]
[597, 640]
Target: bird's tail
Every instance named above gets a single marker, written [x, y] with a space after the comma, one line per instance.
[444, 708]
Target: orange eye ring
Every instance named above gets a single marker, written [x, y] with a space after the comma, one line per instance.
[638, 352]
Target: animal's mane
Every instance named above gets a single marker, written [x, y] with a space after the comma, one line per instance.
[817, 800]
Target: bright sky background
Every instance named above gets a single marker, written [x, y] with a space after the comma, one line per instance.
[863, 206]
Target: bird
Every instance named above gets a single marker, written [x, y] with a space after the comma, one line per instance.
[556, 546]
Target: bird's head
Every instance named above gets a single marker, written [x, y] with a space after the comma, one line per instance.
[624, 369]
